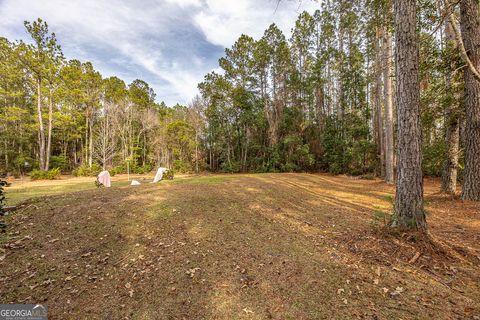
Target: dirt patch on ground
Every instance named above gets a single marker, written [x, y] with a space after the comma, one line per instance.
[269, 246]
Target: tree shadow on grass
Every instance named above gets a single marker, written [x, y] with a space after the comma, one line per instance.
[244, 248]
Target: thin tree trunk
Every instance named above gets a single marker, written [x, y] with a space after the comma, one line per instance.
[210, 156]
[6, 153]
[50, 124]
[388, 104]
[41, 133]
[90, 144]
[75, 152]
[470, 26]
[409, 212]
[86, 138]
[196, 151]
[340, 82]
[378, 105]
[144, 160]
[452, 123]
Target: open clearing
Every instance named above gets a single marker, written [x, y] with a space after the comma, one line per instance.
[266, 246]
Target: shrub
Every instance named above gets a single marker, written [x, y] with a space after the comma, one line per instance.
[118, 170]
[181, 166]
[433, 158]
[290, 167]
[86, 171]
[232, 167]
[59, 162]
[134, 168]
[168, 175]
[141, 169]
[45, 175]
[23, 164]
[335, 168]
[2, 196]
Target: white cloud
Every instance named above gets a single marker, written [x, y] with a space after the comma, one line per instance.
[159, 41]
[185, 3]
[223, 22]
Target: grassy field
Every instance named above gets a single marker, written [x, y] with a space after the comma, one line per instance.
[23, 189]
[267, 246]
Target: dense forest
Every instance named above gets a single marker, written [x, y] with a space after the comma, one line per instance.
[325, 99]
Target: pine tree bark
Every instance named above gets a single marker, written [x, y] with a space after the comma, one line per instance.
[409, 212]
[452, 124]
[388, 105]
[470, 27]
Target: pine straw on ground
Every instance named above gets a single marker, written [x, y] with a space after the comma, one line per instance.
[270, 246]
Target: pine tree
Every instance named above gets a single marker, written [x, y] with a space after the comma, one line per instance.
[470, 26]
[409, 212]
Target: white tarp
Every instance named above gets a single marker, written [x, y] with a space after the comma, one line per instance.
[159, 174]
[135, 183]
[104, 178]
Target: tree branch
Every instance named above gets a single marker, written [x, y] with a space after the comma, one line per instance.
[459, 40]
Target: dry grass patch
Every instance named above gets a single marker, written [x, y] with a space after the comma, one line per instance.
[270, 246]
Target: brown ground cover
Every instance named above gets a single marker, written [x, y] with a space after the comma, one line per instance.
[267, 246]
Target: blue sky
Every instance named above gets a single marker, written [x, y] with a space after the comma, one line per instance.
[171, 44]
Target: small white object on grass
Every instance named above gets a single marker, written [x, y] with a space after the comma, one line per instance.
[135, 183]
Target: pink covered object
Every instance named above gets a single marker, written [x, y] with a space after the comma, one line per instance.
[104, 178]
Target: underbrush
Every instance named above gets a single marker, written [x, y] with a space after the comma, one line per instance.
[86, 171]
[134, 169]
[45, 175]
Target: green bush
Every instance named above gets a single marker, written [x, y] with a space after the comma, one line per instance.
[168, 175]
[232, 167]
[335, 168]
[433, 158]
[86, 171]
[134, 168]
[297, 154]
[117, 170]
[290, 167]
[181, 166]
[141, 169]
[59, 162]
[23, 164]
[45, 175]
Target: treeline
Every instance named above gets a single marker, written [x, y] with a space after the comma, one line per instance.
[326, 99]
[63, 114]
[323, 99]
[359, 86]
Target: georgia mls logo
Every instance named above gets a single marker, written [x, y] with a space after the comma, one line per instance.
[23, 312]
[39, 311]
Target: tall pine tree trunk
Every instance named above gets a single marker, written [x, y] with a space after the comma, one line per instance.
[452, 124]
[378, 105]
[41, 132]
[470, 26]
[388, 103]
[409, 211]
[49, 137]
